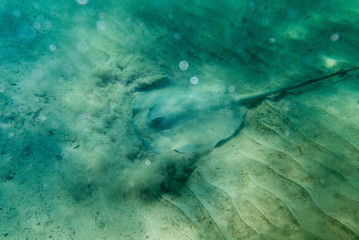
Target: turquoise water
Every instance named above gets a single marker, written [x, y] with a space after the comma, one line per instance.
[128, 120]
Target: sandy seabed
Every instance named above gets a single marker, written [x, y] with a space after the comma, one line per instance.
[72, 165]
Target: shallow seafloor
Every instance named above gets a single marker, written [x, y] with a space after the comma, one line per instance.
[73, 167]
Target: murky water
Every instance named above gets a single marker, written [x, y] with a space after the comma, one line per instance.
[123, 120]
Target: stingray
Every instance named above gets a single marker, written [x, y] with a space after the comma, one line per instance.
[197, 119]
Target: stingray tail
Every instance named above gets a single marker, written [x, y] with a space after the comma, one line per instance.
[252, 99]
[339, 73]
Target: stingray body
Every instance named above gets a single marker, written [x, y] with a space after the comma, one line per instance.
[195, 119]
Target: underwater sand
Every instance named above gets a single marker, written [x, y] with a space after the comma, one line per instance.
[73, 166]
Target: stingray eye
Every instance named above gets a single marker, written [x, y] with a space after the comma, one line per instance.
[157, 123]
[161, 123]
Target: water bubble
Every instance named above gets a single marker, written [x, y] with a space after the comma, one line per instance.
[183, 65]
[16, 13]
[2, 88]
[148, 162]
[84, 117]
[68, 69]
[272, 40]
[231, 88]
[52, 47]
[36, 25]
[82, 2]
[90, 180]
[55, 125]
[82, 47]
[101, 25]
[42, 118]
[36, 5]
[48, 25]
[11, 135]
[332, 110]
[131, 184]
[63, 155]
[37, 74]
[177, 36]
[334, 37]
[194, 80]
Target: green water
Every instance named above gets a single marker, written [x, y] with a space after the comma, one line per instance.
[120, 120]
